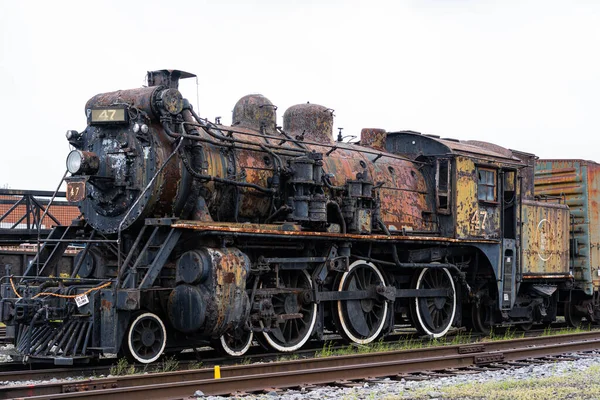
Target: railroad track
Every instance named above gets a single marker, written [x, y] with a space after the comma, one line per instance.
[15, 371]
[316, 371]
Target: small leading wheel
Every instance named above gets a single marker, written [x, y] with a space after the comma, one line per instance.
[433, 316]
[146, 338]
[235, 342]
[291, 334]
[361, 321]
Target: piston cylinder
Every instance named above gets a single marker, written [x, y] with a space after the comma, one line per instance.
[211, 293]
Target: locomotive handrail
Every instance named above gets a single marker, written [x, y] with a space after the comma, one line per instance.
[80, 241]
[52, 199]
[6, 278]
[206, 127]
[240, 145]
[39, 233]
[560, 199]
[332, 146]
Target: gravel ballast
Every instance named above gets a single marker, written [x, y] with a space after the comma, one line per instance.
[432, 388]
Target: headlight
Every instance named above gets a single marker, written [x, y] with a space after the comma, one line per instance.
[72, 135]
[74, 160]
[82, 162]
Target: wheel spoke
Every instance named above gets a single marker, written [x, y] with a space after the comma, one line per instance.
[428, 282]
[438, 279]
[363, 279]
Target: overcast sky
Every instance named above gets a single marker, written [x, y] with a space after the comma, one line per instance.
[521, 74]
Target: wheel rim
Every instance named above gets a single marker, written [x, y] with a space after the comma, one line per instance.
[526, 326]
[479, 317]
[147, 338]
[290, 335]
[361, 321]
[435, 314]
[571, 317]
[236, 343]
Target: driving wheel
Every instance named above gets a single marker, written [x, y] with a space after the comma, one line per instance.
[362, 320]
[297, 316]
[433, 315]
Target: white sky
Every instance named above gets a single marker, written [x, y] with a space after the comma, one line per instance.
[521, 74]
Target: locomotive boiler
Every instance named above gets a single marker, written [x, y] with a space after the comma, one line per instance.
[197, 233]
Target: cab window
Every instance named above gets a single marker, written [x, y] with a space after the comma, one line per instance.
[486, 184]
[442, 179]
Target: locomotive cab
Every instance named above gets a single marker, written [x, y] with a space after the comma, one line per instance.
[470, 181]
[484, 196]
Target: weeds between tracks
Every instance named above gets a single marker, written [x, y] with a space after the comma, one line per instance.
[168, 364]
[410, 343]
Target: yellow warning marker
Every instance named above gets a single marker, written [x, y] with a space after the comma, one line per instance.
[217, 372]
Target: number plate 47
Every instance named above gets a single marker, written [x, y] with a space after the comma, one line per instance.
[479, 219]
[75, 191]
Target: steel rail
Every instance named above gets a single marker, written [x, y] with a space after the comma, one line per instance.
[295, 373]
[17, 371]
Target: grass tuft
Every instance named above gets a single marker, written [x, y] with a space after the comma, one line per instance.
[566, 331]
[168, 364]
[122, 367]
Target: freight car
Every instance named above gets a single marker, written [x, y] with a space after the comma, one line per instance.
[577, 183]
[200, 233]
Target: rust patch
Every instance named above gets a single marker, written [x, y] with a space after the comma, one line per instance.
[231, 268]
[403, 193]
[90, 385]
[545, 238]
[242, 228]
[309, 122]
[364, 221]
[228, 278]
[548, 276]
[374, 138]
[256, 112]
[106, 305]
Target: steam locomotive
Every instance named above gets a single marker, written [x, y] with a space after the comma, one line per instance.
[197, 233]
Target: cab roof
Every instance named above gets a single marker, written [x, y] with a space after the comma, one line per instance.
[417, 144]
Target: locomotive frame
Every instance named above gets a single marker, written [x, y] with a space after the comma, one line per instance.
[198, 233]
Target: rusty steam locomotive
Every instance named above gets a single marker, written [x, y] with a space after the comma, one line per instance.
[198, 233]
